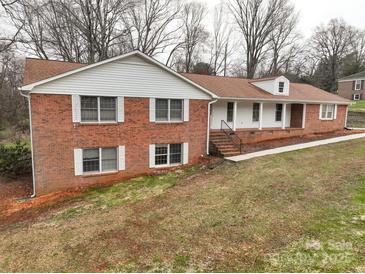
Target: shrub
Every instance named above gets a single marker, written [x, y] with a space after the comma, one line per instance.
[15, 159]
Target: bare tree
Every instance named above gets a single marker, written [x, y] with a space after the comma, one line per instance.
[220, 48]
[152, 25]
[256, 19]
[76, 30]
[193, 35]
[284, 40]
[330, 44]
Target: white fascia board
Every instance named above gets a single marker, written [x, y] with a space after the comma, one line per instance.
[351, 80]
[286, 100]
[29, 87]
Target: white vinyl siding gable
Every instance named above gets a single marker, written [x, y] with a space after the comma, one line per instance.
[130, 77]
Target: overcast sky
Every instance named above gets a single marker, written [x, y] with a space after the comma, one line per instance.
[315, 12]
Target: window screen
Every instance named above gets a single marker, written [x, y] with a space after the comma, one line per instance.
[256, 112]
[109, 159]
[281, 87]
[278, 112]
[108, 109]
[230, 111]
[162, 109]
[89, 109]
[91, 160]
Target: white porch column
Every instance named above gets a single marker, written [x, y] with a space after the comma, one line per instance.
[303, 116]
[261, 115]
[284, 117]
[234, 115]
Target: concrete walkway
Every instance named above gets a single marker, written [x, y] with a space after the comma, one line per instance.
[278, 150]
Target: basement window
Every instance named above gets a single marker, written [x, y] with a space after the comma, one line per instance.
[357, 97]
[168, 154]
[96, 160]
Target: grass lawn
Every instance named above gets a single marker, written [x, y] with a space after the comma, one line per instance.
[358, 106]
[298, 211]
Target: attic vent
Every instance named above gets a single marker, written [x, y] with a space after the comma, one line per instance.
[281, 87]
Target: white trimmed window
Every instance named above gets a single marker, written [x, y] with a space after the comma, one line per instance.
[99, 160]
[168, 154]
[358, 85]
[96, 160]
[165, 155]
[98, 109]
[328, 112]
[356, 97]
[169, 110]
[281, 87]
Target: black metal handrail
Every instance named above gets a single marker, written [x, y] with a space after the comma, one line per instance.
[229, 132]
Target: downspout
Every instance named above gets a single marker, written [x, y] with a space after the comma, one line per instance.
[208, 129]
[31, 140]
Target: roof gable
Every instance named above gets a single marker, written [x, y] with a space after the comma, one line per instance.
[134, 74]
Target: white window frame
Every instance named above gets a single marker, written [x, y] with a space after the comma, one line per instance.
[169, 111]
[357, 97]
[168, 155]
[99, 121]
[100, 162]
[358, 82]
[281, 90]
[326, 112]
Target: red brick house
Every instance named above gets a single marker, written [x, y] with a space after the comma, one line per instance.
[131, 115]
[352, 87]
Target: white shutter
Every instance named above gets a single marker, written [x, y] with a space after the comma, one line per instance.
[78, 161]
[120, 109]
[335, 114]
[320, 111]
[76, 109]
[186, 153]
[152, 109]
[152, 156]
[186, 110]
[121, 156]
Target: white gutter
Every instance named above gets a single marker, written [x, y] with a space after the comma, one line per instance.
[208, 128]
[31, 141]
[286, 100]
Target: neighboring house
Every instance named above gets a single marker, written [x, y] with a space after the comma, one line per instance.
[131, 115]
[352, 87]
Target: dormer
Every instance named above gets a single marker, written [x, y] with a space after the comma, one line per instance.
[275, 85]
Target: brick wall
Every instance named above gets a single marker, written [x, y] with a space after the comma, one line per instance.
[55, 137]
[312, 125]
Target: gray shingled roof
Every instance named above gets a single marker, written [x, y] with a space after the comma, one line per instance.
[356, 76]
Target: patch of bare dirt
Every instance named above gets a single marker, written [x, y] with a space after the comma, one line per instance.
[14, 189]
